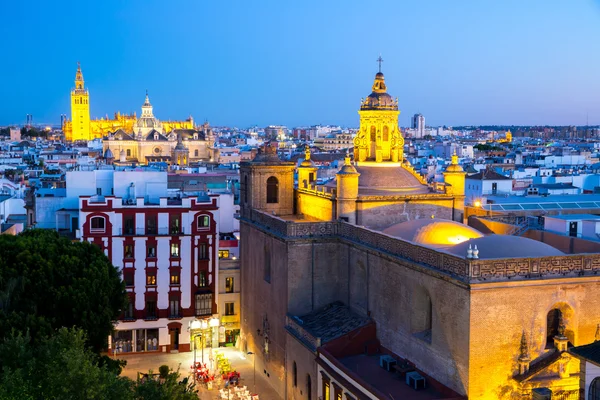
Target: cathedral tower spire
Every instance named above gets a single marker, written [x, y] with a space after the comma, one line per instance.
[379, 138]
[80, 110]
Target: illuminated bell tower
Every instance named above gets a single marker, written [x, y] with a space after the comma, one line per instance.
[379, 139]
[80, 110]
[454, 177]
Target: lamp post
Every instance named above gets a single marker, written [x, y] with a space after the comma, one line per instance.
[204, 325]
[254, 370]
[195, 325]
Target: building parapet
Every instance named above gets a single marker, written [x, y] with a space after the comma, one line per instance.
[294, 326]
[461, 268]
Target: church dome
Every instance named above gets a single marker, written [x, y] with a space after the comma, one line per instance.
[379, 99]
[108, 154]
[502, 246]
[433, 232]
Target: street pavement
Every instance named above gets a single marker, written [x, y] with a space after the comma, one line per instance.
[241, 363]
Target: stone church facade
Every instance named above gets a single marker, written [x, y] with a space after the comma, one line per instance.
[493, 322]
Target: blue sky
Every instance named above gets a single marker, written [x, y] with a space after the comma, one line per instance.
[242, 63]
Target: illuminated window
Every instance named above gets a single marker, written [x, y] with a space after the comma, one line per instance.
[203, 222]
[223, 253]
[151, 279]
[174, 249]
[128, 251]
[272, 190]
[229, 285]
[202, 281]
[97, 224]
[174, 277]
[128, 152]
[229, 310]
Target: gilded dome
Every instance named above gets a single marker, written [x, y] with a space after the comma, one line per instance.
[433, 232]
[379, 99]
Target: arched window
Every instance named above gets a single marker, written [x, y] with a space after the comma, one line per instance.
[97, 224]
[373, 134]
[203, 222]
[308, 387]
[594, 392]
[552, 324]
[385, 134]
[272, 190]
[295, 374]
[422, 315]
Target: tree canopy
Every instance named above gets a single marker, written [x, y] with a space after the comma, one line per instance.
[48, 282]
[62, 367]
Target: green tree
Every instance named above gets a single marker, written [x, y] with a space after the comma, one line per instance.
[48, 282]
[59, 367]
[166, 387]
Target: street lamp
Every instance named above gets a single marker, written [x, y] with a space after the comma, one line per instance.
[196, 324]
[254, 370]
[204, 325]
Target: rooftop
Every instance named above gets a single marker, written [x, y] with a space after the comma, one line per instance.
[590, 352]
[367, 368]
[330, 322]
[570, 217]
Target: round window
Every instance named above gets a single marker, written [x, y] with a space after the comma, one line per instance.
[157, 150]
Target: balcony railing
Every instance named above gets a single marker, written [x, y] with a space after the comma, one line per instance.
[161, 231]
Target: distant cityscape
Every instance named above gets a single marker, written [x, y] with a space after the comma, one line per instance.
[327, 262]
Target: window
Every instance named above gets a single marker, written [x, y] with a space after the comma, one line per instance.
[128, 277]
[552, 326]
[202, 281]
[151, 225]
[128, 251]
[229, 310]
[175, 225]
[174, 249]
[223, 253]
[422, 314]
[151, 308]
[128, 311]
[97, 224]
[128, 152]
[202, 253]
[204, 304]
[229, 285]
[151, 279]
[196, 152]
[267, 266]
[129, 224]
[594, 392]
[203, 222]
[174, 306]
[295, 374]
[308, 387]
[174, 277]
[151, 251]
[272, 190]
[99, 191]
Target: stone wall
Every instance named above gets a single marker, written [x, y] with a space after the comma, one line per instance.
[314, 206]
[381, 213]
[500, 313]
[305, 365]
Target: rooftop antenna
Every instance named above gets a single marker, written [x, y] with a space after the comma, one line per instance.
[379, 60]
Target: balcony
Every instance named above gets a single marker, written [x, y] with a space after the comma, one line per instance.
[161, 231]
[228, 319]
